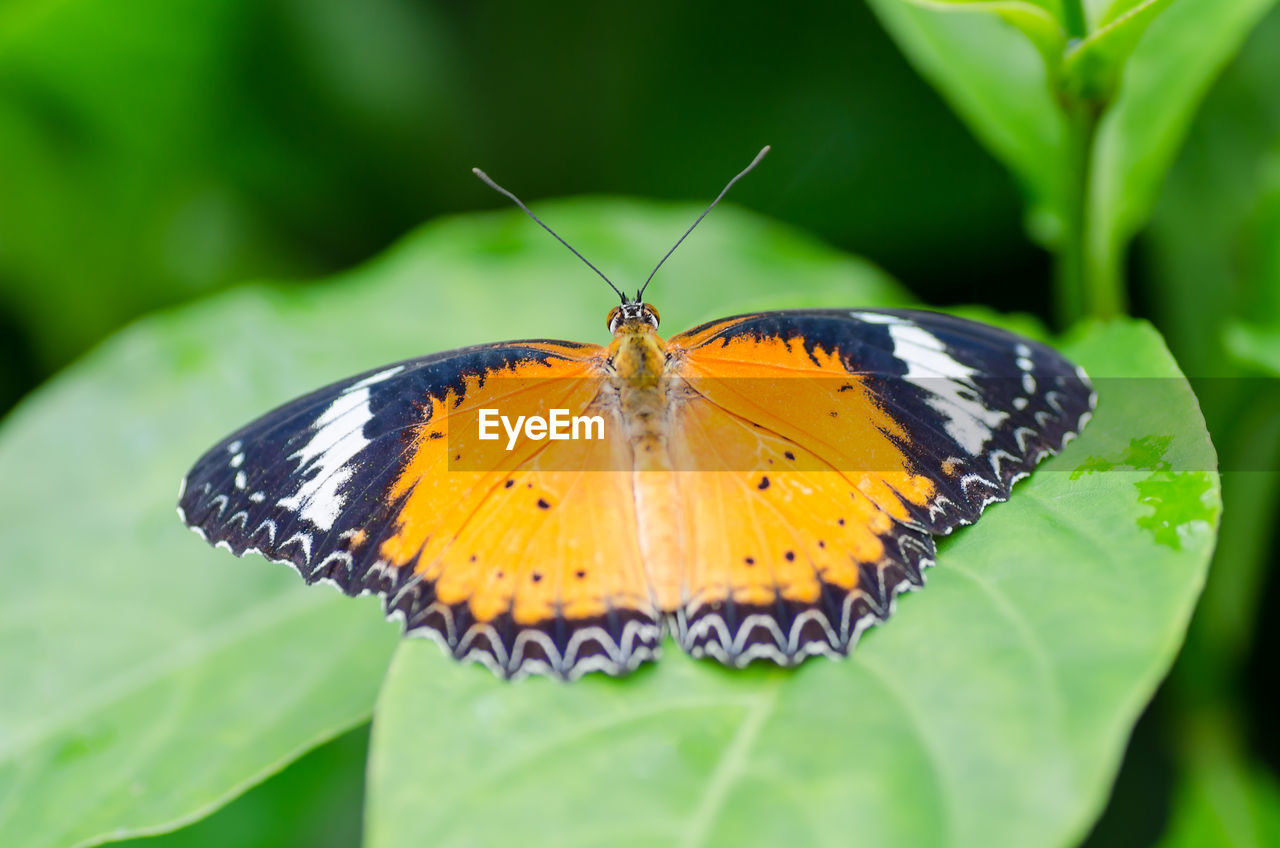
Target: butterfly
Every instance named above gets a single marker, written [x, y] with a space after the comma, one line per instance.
[760, 487]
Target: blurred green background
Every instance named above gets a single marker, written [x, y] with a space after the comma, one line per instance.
[153, 152]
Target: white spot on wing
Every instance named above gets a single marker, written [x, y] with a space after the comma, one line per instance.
[325, 459]
[385, 374]
[949, 383]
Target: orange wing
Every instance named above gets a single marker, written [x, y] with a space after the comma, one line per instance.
[526, 560]
[801, 502]
[822, 452]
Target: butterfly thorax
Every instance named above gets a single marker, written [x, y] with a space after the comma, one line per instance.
[639, 375]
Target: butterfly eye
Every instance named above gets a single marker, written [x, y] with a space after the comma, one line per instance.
[612, 321]
[651, 314]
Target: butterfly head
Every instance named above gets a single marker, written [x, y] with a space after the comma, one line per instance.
[631, 316]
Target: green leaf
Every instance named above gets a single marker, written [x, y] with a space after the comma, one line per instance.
[998, 83]
[1254, 346]
[1224, 799]
[1218, 218]
[314, 803]
[1223, 808]
[1038, 21]
[148, 678]
[991, 710]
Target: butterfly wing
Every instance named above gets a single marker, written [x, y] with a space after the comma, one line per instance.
[833, 446]
[827, 448]
[380, 483]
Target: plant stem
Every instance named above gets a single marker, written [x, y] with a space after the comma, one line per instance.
[1073, 18]
[1090, 279]
[1085, 287]
[1076, 288]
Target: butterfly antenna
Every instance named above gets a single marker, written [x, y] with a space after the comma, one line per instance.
[491, 184]
[723, 192]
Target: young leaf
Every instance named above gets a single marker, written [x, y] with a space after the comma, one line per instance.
[1162, 82]
[1009, 684]
[1089, 129]
[147, 678]
[1091, 66]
